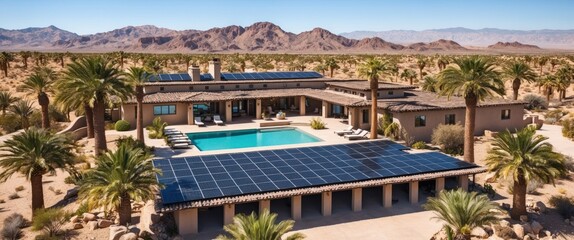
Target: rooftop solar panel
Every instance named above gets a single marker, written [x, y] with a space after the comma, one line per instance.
[212, 176]
[185, 77]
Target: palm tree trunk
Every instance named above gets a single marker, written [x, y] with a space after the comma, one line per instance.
[469, 122]
[125, 210]
[374, 88]
[139, 123]
[518, 198]
[99, 127]
[89, 120]
[37, 192]
[331, 72]
[44, 101]
[515, 88]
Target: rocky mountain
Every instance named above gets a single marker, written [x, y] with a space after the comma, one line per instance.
[259, 37]
[558, 39]
[512, 45]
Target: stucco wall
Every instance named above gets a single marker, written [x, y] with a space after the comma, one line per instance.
[180, 116]
[231, 87]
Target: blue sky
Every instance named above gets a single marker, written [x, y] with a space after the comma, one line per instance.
[85, 17]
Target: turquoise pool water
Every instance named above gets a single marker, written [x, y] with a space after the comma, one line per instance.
[207, 141]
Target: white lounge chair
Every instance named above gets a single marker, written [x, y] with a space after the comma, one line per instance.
[217, 120]
[176, 137]
[170, 134]
[176, 141]
[180, 146]
[357, 136]
[347, 130]
[198, 121]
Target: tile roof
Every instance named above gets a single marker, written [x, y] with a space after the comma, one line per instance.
[363, 85]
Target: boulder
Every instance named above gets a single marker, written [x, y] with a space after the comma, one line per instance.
[523, 218]
[75, 219]
[88, 217]
[77, 226]
[504, 223]
[116, 232]
[104, 223]
[527, 228]
[129, 236]
[101, 215]
[527, 237]
[536, 227]
[479, 232]
[540, 206]
[519, 230]
[134, 229]
[92, 225]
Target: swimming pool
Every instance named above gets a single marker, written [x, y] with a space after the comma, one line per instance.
[208, 141]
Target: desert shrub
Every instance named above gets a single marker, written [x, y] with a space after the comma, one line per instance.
[568, 164]
[405, 136]
[19, 188]
[13, 196]
[110, 126]
[553, 116]
[131, 142]
[82, 208]
[50, 220]
[393, 131]
[317, 123]
[568, 128]
[449, 137]
[419, 145]
[80, 158]
[563, 204]
[56, 114]
[505, 232]
[535, 102]
[10, 123]
[384, 121]
[156, 128]
[13, 225]
[122, 125]
[55, 191]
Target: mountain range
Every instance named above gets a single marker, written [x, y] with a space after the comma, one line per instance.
[259, 37]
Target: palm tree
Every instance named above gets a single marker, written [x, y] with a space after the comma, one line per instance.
[564, 77]
[372, 69]
[332, 65]
[93, 82]
[138, 77]
[39, 84]
[474, 79]
[409, 74]
[429, 84]
[518, 72]
[25, 55]
[541, 63]
[462, 211]
[5, 59]
[34, 153]
[421, 64]
[320, 68]
[120, 176]
[23, 109]
[441, 63]
[260, 228]
[6, 100]
[524, 157]
[548, 83]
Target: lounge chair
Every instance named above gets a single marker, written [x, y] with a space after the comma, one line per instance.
[176, 137]
[176, 141]
[347, 130]
[198, 121]
[170, 134]
[270, 110]
[357, 136]
[180, 146]
[217, 120]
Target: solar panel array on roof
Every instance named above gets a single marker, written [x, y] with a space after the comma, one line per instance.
[223, 175]
[177, 77]
[269, 75]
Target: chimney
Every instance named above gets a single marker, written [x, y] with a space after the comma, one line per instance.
[215, 69]
[194, 73]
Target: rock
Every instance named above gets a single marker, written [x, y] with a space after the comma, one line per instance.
[494, 237]
[540, 206]
[92, 225]
[129, 236]
[145, 234]
[536, 227]
[527, 237]
[134, 229]
[572, 223]
[116, 232]
[72, 193]
[505, 206]
[104, 223]
[101, 215]
[75, 219]
[519, 230]
[547, 233]
[527, 228]
[479, 232]
[504, 223]
[523, 218]
[77, 226]
[88, 217]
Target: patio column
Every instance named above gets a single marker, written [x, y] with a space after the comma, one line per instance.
[186, 221]
[190, 114]
[439, 185]
[325, 109]
[388, 195]
[228, 116]
[326, 203]
[228, 213]
[258, 108]
[264, 204]
[357, 199]
[414, 192]
[302, 109]
[463, 182]
[353, 116]
[296, 207]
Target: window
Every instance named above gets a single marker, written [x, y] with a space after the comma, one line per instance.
[505, 114]
[161, 88]
[298, 84]
[250, 85]
[362, 94]
[449, 119]
[190, 88]
[206, 87]
[378, 94]
[420, 121]
[366, 115]
[221, 87]
[390, 93]
[164, 110]
[236, 86]
[264, 85]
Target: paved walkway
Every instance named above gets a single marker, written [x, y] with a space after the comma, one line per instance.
[560, 143]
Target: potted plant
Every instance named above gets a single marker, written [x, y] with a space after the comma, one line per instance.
[281, 115]
[265, 116]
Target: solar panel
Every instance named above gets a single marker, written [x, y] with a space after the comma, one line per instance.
[175, 77]
[185, 77]
[222, 175]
